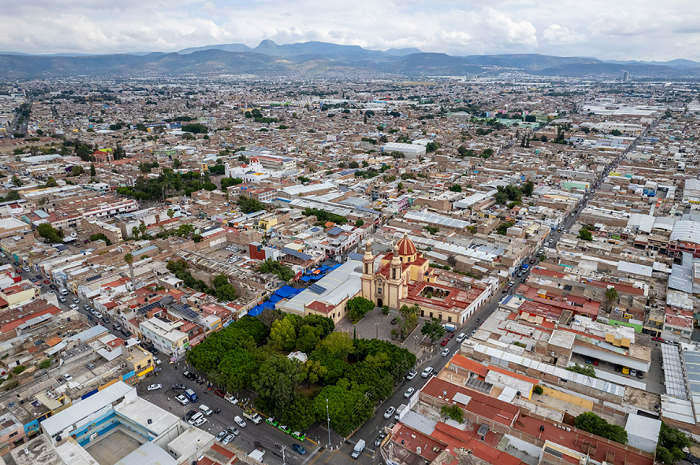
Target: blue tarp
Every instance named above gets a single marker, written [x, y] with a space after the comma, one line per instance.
[275, 298]
[287, 291]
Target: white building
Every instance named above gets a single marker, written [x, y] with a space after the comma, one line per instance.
[409, 150]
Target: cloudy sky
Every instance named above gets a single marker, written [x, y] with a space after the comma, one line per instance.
[606, 29]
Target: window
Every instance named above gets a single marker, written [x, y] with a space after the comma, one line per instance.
[139, 366]
[431, 314]
[14, 434]
[449, 319]
[379, 290]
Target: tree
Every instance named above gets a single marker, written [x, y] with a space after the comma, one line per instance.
[76, 170]
[51, 182]
[227, 182]
[589, 421]
[283, 272]
[177, 163]
[171, 213]
[283, 336]
[315, 371]
[250, 205]
[92, 170]
[538, 390]
[453, 412]
[385, 310]
[16, 180]
[408, 317]
[135, 231]
[585, 235]
[48, 232]
[129, 260]
[338, 345]
[433, 329]
[44, 364]
[298, 414]
[359, 223]
[528, 188]
[276, 381]
[671, 444]
[431, 147]
[238, 368]
[357, 308]
[501, 197]
[611, 295]
[456, 188]
[308, 338]
[502, 228]
[142, 229]
[347, 404]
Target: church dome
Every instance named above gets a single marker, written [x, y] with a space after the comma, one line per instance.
[406, 246]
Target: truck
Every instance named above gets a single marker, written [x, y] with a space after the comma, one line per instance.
[449, 327]
[252, 416]
[191, 395]
[401, 411]
[359, 447]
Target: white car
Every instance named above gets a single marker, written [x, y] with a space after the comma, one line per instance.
[231, 399]
[157, 361]
[445, 352]
[411, 374]
[73, 307]
[389, 412]
[200, 422]
[67, 377]
[409, 392]
[154, 387]
[239, 421]
[182, 399]
[428, 370]
[460, 337]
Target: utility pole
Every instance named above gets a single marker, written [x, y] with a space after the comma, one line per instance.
[329, 425]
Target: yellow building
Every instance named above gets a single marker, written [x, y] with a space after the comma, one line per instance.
[389, 284]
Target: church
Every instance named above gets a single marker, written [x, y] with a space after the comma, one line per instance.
[404, 277]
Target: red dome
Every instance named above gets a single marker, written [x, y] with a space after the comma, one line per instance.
[406, 247]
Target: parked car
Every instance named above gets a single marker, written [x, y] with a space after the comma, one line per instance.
[380, 438]
[117, 327]
[220, 393]
[233, 430]
[426, 372]
[221, 435]
[444, 342]
[411, 374]
[154, 387]
[445, 352]
[105, 319]
[239, 421]
[298, 435]
[389, 412]
[182, 399]
[90, 366]
[73, 307]
[179, 387]
[285, 429]
[67, 377]
[271, 421]
[200, 421]
[409, 392]
[231, 399]
[394, 320]
[228, 439]
[461, 337]
[61, 299]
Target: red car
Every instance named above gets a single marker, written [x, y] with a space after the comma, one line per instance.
[444, 342]
[46, 281]
[220, 393]
[452, 335]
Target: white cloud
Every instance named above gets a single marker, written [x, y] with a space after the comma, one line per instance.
[560, 35]
[624, 29]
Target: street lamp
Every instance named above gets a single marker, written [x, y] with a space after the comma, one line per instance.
[329, 424]
[377, 326]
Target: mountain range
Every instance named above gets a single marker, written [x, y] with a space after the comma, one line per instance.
[325, 59]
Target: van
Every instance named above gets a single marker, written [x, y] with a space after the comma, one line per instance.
[64, 291]
[193, 419]
[205, 410]
[191, 395]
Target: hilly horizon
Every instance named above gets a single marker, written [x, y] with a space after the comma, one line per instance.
[323, 58]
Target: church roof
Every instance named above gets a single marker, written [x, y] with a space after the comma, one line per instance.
[406, 247]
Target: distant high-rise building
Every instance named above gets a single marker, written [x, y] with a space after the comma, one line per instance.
[625, 76]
